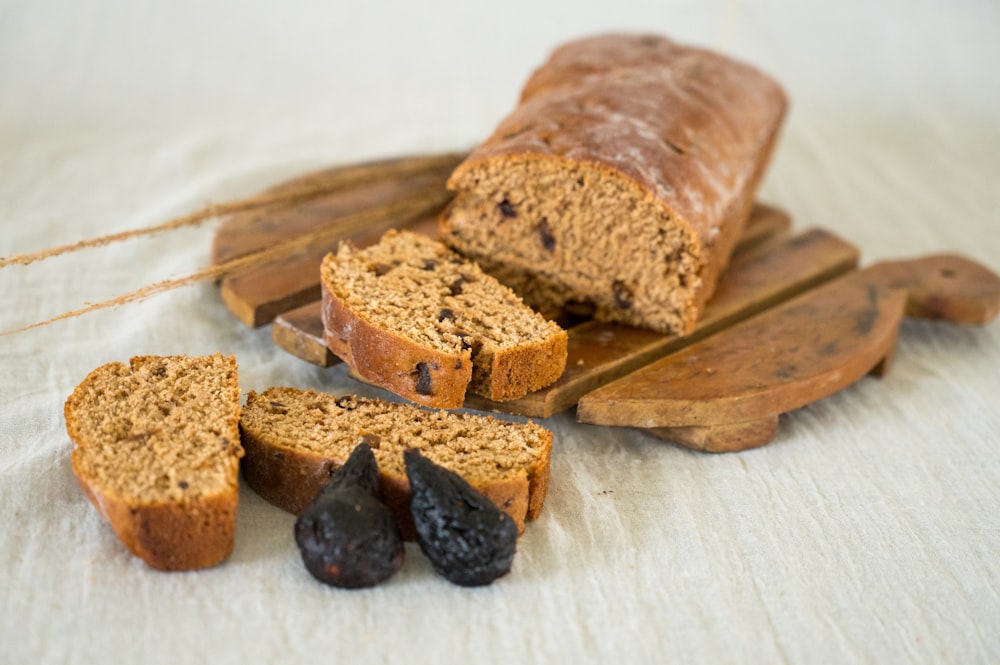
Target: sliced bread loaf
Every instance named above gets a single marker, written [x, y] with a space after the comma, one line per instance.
[620, 183]
[157, 452]
[296, 439]
[411, 316]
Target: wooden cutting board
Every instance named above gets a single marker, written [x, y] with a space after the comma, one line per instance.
[726, 392]
[258, 295]
[792, 319]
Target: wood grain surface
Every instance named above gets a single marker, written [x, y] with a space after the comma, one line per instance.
[726, 392]
[258, 295]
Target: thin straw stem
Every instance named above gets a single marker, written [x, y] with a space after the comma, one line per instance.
[319, 184]
[402, 211]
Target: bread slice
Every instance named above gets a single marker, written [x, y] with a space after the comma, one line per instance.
[411, 316]
[157, 452]
[620, 183]
[296, 439]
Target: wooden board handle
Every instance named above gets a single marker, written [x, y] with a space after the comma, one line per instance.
[943, 286]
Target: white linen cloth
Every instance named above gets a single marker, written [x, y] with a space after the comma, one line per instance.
[868, 531]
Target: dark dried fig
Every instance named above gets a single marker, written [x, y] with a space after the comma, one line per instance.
[467, 538]
[347, 537]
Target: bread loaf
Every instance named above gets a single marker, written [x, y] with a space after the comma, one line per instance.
[411, 316]
[295, 439]
[157, 453]
[620, 183]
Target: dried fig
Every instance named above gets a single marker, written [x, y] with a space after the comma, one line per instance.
[347, 537]
[467, 538]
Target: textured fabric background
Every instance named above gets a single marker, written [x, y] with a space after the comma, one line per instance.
[868, 531]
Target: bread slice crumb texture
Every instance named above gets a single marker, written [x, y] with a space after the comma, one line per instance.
[576, 235]
[474, 446]
[420, 290]
[158, 430]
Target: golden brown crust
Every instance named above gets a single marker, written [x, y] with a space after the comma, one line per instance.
[689, 125]
[527, 368]
[170, 534]
[538, 481]
[691, 130]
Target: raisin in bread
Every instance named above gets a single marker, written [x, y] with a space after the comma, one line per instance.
[157, 452]
[295, 439]
[621, 182]
[411, 316]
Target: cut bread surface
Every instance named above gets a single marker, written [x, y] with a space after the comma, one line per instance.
[577, 236]
[296, 438]
[414, 317]
[157, 451]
